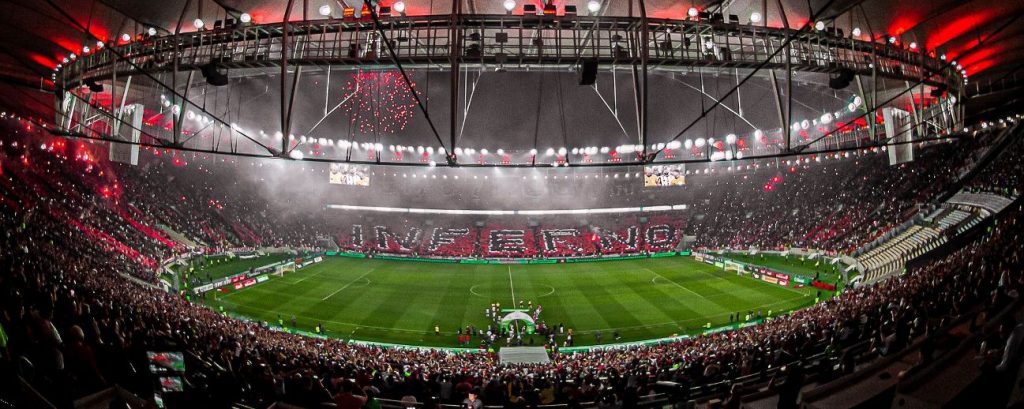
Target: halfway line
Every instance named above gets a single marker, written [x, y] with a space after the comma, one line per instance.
[511, 287]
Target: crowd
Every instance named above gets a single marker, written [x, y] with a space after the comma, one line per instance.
[836, 206]
[72, 323]
[1005, 176]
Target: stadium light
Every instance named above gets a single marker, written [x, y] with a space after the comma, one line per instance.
[755, 17]
[730, 139]
[856, 32]
[693, 12]
[593, 6]
[198, 23]
[151, 31]
[533, 152]
[819, 25]
[549, 152]
[325, 10]
[398, 7]
[125, 37]
[509, 5]
[700, 142]
[688, 144]
[245, 18]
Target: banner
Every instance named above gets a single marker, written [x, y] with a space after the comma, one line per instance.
[770, 276]
[801, 280]
[244, 284]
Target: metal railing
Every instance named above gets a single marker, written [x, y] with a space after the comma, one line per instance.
[511, 42]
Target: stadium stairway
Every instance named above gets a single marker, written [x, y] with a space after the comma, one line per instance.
[178, 237]
[956, 216]
[891, 256]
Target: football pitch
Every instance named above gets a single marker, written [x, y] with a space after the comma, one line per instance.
[402, 301]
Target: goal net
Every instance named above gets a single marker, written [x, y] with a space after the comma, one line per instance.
[288, 267]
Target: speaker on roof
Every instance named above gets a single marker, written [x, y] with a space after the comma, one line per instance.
[588, 72]
[212, 75]
[841, 79]
[93, 86]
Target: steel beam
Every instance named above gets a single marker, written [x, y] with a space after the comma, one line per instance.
[285, 94]
[454, 40]
[644, 55]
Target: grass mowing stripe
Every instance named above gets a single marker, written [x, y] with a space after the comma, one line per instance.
[400, 301]
[344, 286]
[661, 298]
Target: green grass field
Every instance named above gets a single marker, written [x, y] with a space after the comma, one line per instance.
[401, 301]
[791, 265]
[214, 268]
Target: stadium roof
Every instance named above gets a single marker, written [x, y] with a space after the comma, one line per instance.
[37, 35]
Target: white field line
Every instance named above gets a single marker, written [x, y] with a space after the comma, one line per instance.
[345, 286]
[511, 287]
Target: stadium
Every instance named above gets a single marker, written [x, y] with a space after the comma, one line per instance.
[413, 204]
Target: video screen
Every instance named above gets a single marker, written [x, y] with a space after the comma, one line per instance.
[664, 175]
[165, 362]
[171, 384]
[351, 175]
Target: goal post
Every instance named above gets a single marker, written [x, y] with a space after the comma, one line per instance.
[281, 269]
